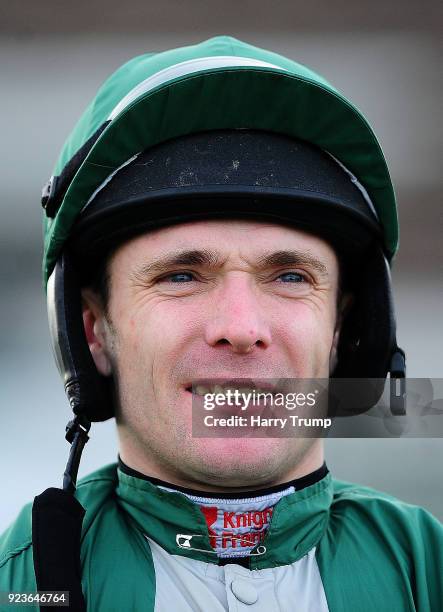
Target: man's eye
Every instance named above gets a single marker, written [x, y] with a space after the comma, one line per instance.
[291, 277]
[179, 277]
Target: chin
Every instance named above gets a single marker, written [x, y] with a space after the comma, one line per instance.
[242, 461]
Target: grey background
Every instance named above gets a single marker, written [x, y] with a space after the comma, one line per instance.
[385, 56]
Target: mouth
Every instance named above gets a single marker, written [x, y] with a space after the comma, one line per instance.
[243, 386]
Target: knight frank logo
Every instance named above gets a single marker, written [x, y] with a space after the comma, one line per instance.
[230, 529]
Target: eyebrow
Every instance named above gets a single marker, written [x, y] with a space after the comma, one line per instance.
[292, 258]
[194, 257]
[204, 257]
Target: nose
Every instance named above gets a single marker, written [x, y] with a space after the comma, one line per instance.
[238, 319]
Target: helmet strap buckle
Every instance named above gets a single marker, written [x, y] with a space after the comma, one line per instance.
[77, 435]
[397, 370]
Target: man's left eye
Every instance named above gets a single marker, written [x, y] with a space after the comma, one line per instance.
[291, 277]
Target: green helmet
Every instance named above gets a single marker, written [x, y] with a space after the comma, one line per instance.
[221, 83]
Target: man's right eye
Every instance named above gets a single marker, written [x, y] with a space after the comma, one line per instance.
[178, 277]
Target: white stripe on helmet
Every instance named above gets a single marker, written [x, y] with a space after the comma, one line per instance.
[184, 68]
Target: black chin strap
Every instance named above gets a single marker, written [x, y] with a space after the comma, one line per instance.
[57, 518]
[77, 435]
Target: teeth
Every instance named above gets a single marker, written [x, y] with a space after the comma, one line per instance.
[200, 390]
[216, 389]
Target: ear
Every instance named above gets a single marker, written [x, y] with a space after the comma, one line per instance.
[96, 328]
[343, 308]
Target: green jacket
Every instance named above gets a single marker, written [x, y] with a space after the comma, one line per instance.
[331, 546]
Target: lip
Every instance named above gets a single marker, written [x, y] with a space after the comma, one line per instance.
[232, 408]
[237, 383]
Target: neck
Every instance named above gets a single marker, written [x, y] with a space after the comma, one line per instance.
[296, 483]
[312, 460]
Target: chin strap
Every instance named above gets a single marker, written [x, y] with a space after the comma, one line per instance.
[77, 435]
[57, 518]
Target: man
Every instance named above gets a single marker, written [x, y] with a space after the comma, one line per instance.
[220, 218]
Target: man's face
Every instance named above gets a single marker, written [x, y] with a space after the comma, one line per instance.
[214, 299]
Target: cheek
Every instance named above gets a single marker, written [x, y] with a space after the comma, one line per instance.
[170, 325]
[157, 338]
[307, 334]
